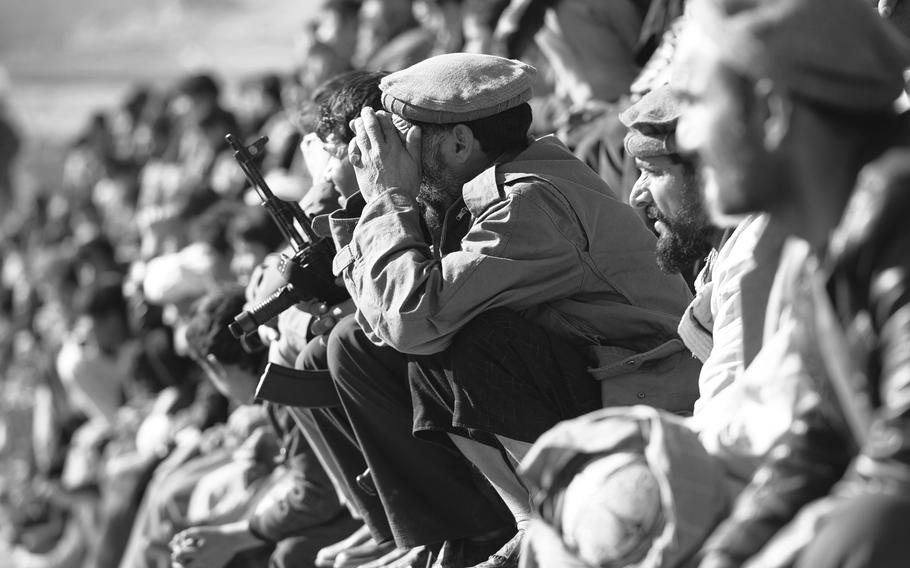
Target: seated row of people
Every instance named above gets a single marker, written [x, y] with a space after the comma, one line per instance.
[499, 288]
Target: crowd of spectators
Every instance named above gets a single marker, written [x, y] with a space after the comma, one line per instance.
[146, 446]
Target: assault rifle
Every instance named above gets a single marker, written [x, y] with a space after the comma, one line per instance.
[308, 271]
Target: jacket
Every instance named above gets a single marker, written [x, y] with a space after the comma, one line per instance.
[540, 234]
[857, 435]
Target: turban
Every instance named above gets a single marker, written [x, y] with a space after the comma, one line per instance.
[836, 53]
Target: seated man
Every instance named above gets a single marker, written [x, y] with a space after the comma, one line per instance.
[297, 516]
[789, 105]
[721, 327]
[409, 523]
[490, 272]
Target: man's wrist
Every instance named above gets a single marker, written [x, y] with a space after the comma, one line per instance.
[254, 535]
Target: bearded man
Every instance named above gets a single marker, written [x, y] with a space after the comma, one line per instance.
[789, 107]
[702, 461]
[494, 271]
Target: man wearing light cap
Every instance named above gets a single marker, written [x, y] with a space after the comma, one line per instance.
[503, 270]
[789, 109]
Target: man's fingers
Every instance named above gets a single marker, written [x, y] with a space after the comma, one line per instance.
[388, 127]
[317, 308]
[372, 127]
[886, 7]
[354, 154]
[413, 143]
[360, 135]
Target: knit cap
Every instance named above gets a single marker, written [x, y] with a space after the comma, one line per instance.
[652, 124]
[457, 87]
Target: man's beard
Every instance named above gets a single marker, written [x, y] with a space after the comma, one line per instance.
[689, 236]
[439, 189]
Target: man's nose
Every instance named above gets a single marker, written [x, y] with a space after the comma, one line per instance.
[640, 196]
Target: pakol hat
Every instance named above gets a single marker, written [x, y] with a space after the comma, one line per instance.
[457, 87]
[837, 53]
[652, 124]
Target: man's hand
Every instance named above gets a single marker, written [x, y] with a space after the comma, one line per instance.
[327, 316]
[211, 546]
[380, 158]
[886, 7]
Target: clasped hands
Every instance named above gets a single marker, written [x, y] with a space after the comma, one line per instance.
[382, 156]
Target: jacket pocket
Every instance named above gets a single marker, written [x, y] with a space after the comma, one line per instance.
[665, 377]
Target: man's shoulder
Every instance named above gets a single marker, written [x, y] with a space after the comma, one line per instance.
[878, 208]
[548, 159]
[545, 168]
[873, 236]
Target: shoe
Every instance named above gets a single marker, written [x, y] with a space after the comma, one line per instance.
[361, 554]
[325, 558]
[465, 552]
[507, 556]
[416, 557]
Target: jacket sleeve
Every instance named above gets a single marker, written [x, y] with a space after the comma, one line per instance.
[869, 280]
[519, 252]
[885, 455]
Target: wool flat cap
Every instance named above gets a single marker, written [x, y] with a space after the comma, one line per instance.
[652, 124]
[457, 87]
[838, 53]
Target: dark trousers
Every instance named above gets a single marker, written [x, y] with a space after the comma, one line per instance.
[300, 551]
[336, 430]
[429, 491]
[868, 531]
[503, 375]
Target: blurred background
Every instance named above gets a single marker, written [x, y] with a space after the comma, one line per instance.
[64, 60]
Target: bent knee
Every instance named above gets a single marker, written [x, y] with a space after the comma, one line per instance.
[341, 341]
[486, 331]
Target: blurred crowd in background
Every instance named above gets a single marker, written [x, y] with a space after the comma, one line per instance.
[101, 277]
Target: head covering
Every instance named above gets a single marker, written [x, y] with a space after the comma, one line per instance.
[180, 276]
[457, 87]
[652, 124]
[838, 53]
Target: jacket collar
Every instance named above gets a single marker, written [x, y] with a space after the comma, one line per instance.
[486, 188]
[482, 191]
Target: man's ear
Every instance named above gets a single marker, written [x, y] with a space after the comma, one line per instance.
[465, 143]
[777, 110]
